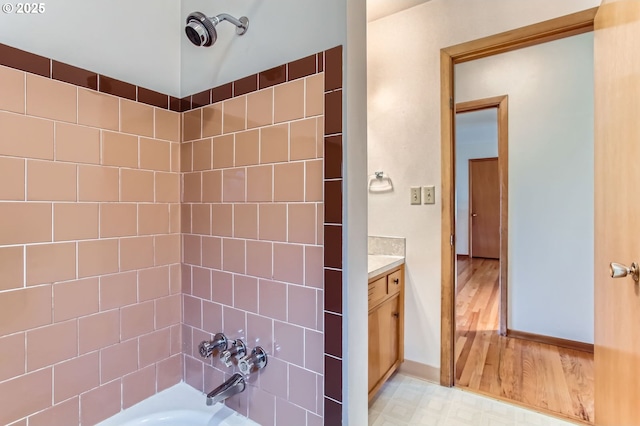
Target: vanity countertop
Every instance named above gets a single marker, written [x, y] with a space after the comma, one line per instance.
[379, 264]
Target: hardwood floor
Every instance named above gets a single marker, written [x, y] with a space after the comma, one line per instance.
[534, 374]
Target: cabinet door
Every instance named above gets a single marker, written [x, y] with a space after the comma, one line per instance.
[384, 329]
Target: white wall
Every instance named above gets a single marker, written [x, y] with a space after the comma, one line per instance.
[404, 132]
[355, 304]
[476, 137]
[550, 88]
[101, 36]
[279, 32]
[148, 36]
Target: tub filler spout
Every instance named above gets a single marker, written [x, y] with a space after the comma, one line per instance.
[233, 386]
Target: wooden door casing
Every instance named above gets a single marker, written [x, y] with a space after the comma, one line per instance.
[484, 208]
[553, 29]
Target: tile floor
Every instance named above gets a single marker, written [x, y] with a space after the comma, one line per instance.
[406, 401]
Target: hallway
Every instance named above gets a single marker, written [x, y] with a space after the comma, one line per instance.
[535, 375]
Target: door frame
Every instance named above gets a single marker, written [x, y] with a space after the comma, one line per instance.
[554, 29]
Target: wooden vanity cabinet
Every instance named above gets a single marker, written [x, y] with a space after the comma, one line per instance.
[386, 327]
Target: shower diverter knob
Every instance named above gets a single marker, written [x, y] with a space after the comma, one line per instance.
[254, 362]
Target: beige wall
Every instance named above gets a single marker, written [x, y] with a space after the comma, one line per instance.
[252, 223]
[90, 304]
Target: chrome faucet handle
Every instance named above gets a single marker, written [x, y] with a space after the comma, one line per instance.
[213, 347]
[237, 350]
[254, 362]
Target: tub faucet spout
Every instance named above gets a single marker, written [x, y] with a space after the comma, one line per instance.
[234, 385]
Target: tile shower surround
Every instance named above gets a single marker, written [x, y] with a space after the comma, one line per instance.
[123, 262]
[90, 303]
[254, 163]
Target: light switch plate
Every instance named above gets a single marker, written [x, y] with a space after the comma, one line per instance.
[429, 194]
[416, 196]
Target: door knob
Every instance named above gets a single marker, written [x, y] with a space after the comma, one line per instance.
[619, 270]
[474, 214]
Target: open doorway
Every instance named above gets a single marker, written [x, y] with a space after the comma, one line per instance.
[533, 353]
[481, 158]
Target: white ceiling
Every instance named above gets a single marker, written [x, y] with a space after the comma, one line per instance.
[377, 9]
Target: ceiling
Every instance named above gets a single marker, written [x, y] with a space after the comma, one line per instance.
[377, 9]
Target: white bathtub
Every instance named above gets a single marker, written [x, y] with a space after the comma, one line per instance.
[180, 405]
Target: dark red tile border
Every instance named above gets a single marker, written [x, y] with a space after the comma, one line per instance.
[245, 85]
[222, 93]
[150, 97]
[333, 201]
[74, 75]
[35, 64]
[24, 61]
[332, 412]
[329, 62]
[333, 246]
[180, 105]
[333, 112]
[174, 104]
[185, 104]
[333, 73]
[119, 88]
[277, 75]
[201, 99]
[333, 290]
[302, 67]
[333, 334]
[333, 157]
[333, 384]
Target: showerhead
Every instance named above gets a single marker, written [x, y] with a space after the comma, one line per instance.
[201, 30]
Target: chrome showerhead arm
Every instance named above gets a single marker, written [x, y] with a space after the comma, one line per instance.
[242, 24]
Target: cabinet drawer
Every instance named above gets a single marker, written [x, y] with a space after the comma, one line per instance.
[377, 291]
[394, 282]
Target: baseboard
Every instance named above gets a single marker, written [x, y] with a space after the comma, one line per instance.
[421, 371]
[462, 256]
[555, 341]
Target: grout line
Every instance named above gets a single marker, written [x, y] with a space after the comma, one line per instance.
[77, 105]
[24, 111]
[120, 100]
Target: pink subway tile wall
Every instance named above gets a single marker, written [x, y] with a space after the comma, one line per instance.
[252, 224]
[90, 251]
